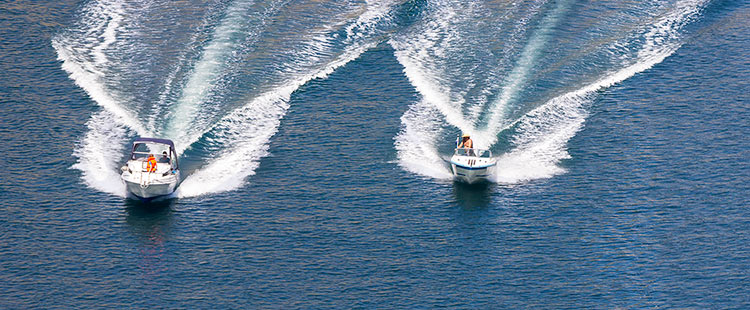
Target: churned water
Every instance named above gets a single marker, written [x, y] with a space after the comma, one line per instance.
[312, 137]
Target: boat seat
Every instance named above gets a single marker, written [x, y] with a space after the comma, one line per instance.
[162, 167]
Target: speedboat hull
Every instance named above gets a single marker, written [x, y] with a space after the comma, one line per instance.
[151, 190]
[146, 185]
[472, 165]
[471, 175]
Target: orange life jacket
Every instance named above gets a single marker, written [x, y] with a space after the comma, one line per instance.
[151, 166]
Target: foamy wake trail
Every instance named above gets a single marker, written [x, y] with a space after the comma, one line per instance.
[193, 115]
[423, 122]
[541, 135]
[426, 56]
[421, 128]
[83, 53]
[519, 76]
[238, 139]
[244, 133]
[98, 152]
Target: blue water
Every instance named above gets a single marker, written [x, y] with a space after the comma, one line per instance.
[312, 137]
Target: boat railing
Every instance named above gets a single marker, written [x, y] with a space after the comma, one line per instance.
[473, 152]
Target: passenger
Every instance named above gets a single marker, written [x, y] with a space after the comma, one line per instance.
[151, 163]
[466, 142]
[164, 158]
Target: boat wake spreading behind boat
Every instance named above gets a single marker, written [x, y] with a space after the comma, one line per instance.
[533, 96]
[223, 82]
[218, 88]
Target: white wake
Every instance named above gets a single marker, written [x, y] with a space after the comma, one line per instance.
[540, 136]
[84, 57]
[245, 132]
[191, 117]
[239, 138]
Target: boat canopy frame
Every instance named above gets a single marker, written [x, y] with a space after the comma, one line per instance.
[172, 150]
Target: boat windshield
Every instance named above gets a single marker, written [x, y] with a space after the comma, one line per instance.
[473, 152]
[143, 149]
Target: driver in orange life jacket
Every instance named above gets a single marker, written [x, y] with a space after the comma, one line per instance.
[151, 163]
[466, 142]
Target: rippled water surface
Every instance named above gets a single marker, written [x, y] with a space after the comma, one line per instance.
[312, 137]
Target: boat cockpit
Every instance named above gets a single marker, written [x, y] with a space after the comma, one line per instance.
[473, 152]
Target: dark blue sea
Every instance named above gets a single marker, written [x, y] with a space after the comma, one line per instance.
[312, 138]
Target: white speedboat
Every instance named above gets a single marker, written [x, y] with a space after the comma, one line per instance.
[145, 181]
[472, 165]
